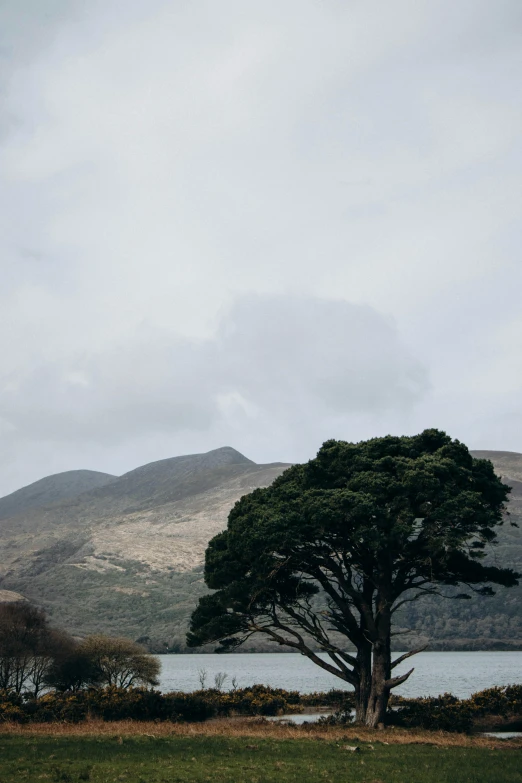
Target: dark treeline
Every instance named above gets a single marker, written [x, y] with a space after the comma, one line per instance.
[35, 657]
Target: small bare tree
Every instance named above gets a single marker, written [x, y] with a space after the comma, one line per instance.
[202, 677]
[219, 680]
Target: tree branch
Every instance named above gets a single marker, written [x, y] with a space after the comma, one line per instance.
[407, 655]
[394, 681]
[300, 645]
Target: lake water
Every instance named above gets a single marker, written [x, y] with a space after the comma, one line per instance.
[460, 673]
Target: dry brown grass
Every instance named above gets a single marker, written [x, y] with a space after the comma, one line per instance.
[257, 728]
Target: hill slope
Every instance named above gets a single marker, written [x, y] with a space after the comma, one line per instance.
[126, 556]
[507, 463]
[52, 489]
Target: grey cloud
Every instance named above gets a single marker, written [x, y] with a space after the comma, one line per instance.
[341, 357]
[272, 359]
[192, 193]
[148, 384]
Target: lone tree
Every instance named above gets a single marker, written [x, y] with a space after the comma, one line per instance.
[119, 662]
[72, 669]
[341, 543]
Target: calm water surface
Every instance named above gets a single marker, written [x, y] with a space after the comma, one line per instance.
[460, 673]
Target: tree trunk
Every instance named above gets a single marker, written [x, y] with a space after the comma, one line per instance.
[379, 693]
[363, 689]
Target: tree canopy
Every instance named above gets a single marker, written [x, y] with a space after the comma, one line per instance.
[103, 661]
[332, 549]
[120, 662]
[27, 646]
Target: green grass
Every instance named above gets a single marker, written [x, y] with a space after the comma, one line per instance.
[244, 760]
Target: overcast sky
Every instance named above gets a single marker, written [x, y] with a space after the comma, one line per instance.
[256, 223]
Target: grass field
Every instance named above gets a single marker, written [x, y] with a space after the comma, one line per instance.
[70, 757]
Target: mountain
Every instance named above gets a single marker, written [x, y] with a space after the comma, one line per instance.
[507, 463]
[483, 622]
[51, 490]
[124, 555]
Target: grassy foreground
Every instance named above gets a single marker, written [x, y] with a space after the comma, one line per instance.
[274, 756]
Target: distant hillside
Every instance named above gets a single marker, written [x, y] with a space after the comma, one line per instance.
[52, 489]
[170, 480]
[507, 463]
[126, 556]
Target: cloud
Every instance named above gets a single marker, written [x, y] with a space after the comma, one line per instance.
[273, 360]
[183, 186]
[283, 353]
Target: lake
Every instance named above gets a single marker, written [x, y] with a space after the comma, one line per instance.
[460, 673]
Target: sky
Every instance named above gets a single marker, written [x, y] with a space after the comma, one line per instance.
[258, 224]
